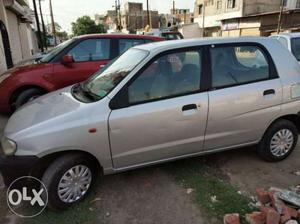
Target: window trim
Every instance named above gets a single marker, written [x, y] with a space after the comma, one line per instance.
[273, 74]
[121, 99]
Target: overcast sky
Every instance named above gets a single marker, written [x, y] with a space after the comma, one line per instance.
[67, 11]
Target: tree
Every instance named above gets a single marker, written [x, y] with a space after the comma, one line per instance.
[49, 27]
[85, 25]
[62, 35]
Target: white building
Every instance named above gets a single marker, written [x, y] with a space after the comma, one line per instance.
[17, 40]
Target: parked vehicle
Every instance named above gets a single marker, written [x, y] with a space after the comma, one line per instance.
[71, 62]
[156, 103]
[291, 41]
[167, 34]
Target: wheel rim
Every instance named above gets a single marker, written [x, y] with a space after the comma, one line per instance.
[281, 142]
[74, 184]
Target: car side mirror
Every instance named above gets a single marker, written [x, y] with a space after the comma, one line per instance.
[67, 59]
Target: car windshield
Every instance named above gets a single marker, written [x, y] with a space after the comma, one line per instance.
[51, 54]
[296, 47]
[108, 78]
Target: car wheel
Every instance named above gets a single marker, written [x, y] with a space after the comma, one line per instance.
[69, 179]
[279, 141]
[27, 96]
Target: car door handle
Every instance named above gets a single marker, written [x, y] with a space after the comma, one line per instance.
[189, 107]
[269, 92]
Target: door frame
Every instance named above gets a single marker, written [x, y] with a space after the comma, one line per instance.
[6, 45]
[120, 100]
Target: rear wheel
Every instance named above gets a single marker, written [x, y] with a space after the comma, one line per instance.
[279, 141]
[69, 180]
[27, 96]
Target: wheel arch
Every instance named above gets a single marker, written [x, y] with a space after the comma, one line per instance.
[44, 162]
[20, 89]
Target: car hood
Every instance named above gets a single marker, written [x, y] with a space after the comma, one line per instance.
[23, 68]
[47, 108]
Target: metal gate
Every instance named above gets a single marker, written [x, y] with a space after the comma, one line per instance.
[6, 45]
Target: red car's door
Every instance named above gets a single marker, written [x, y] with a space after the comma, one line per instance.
[89, 56]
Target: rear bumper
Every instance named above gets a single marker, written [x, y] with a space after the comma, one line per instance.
[14, 167]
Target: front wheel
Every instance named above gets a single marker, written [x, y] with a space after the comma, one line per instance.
[27, 96]
[279, 141]
[69, 180]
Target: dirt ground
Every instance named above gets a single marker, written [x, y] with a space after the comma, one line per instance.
[150, 195]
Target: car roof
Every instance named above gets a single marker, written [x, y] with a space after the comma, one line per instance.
[287, 35]
[119, 36]
[173, 44]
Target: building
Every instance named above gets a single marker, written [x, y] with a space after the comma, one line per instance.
[225, 17]
[135, 18]
[99, 19]
[17, 39]
[185, 16]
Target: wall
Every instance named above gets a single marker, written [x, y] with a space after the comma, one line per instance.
[191, 31]
[14, 35]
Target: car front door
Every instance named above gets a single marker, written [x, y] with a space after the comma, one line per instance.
[89, 56]
[167, 112]
[245, 97]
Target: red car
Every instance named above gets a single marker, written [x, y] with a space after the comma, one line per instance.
[71, 62]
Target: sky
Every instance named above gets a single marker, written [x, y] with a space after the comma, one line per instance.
[67, 11]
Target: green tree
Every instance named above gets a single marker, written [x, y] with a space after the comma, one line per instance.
[85, 25]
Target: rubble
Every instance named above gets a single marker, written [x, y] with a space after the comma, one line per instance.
[276, 206]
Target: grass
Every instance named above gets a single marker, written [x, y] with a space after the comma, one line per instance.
[213, 193]
[78, 214]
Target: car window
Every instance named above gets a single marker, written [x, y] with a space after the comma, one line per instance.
[125, 44]
[296, 48]
[238, 65]
[170, 75]
[91, 50]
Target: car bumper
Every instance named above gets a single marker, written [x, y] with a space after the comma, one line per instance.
[13, 167]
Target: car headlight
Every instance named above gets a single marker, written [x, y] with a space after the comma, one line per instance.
[9, 147]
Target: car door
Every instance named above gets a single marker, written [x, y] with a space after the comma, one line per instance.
[89, 56]
[245, 97]
[167, 112]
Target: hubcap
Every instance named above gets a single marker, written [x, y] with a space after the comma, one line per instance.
[282, 142]
[74, 184]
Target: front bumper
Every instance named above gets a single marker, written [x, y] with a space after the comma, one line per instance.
[13, 167]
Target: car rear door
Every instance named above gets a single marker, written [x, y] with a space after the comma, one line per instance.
[166, 114]
[245, 97]
[89, 56]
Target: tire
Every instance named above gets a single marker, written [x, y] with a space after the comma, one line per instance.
[278, 151]
[26, 96]
[55, 172]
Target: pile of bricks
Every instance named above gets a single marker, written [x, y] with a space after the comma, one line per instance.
[276, 206]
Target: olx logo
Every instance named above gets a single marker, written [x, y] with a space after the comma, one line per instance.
[27, 197]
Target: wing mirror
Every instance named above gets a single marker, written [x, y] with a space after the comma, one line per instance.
[67, 59]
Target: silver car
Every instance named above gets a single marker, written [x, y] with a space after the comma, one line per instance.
[156, 103]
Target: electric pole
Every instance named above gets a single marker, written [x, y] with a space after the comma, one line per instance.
[119, 15]
[52, 22]
[43, 25]
[148, 13]
[38, 26]
[280, 17]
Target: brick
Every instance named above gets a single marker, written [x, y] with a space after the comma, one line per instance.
[291, 222]
[273, 217]
[266, 210]
[232, 219]
[263, 196]
[299, 215]
[256, 218]
[284, 219]
[292, 212]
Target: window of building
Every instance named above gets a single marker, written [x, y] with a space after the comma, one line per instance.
[231, 4]
[238, 65]
[200, 9]
[169, 76]
[219, 5]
